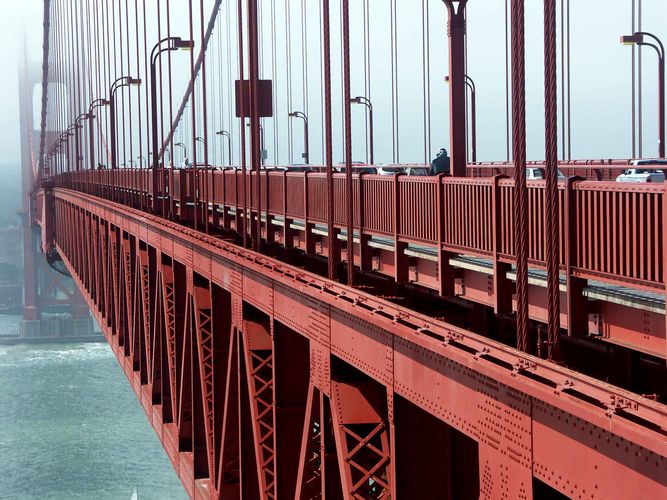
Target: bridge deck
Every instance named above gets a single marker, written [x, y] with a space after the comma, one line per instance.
[162, 291]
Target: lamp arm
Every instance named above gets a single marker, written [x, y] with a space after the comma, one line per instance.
[657, 49]
[661, 52]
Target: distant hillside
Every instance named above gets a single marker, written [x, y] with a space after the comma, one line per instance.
[10, 194]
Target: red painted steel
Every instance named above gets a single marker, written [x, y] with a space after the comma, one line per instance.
[242, 353]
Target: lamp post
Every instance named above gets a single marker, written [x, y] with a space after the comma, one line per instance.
[200, 139]
[141, 159]
[264, 152]
[473, 115]
[123, 81]
[185, 150]
[69, 133]
[226, 134]
[638, 39]
[306, 148]
[77, 141]
[366, 102]
[164, 45]
[171, 158]
[91, 136]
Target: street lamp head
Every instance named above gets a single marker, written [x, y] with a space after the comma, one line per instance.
[447, 79]
[634, 39]
[178, 43]
[356, 100]
[135, 82]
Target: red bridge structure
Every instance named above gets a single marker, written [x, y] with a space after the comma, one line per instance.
[324, 329]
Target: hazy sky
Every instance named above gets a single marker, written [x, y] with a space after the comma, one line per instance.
[600, 75]
[11, 32]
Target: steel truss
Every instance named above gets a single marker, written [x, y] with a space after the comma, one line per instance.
[264, 381]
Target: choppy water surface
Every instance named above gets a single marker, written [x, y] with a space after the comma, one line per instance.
[71, 428]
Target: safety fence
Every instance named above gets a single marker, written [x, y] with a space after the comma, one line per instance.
[607, 230]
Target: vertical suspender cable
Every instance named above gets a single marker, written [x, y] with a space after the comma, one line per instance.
[304, 55]
[255, 142]
[551, 195]
[242, 100]
[368, 76]
[141, 187]
[507, 81]
[193, 113]
[204, 120]
[123, 94]
[466, 100]
[288, 88]
[349, 200]
[569, 100]
[426, 78]
[520, 190]
[129, 96]
[89, 54]
[562, 77]
[326, 69]
[80, 59]
[46, 57]
[229, 81]
[274, 72]
[394, 81]
[169, 93]
[634, 84]
[640, 90]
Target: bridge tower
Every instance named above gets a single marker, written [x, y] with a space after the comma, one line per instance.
[45, 290]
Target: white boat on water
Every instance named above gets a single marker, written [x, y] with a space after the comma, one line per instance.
[135, 494]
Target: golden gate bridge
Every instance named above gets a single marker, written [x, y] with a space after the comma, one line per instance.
[334, 328]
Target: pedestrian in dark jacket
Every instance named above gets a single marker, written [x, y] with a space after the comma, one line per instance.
[440, 164]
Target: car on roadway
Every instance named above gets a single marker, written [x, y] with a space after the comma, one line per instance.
[537, 174]
[643, 171]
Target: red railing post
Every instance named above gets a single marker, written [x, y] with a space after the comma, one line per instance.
[577, 304]
[270, 228]
[401, 261]
[239, 223]
[288, 233]
[308, 227]
[445, 269]
[502, 287]
[225, 202]
[365, 251]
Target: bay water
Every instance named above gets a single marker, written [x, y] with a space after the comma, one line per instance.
[72, 428]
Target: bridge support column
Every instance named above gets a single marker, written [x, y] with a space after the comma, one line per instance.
[502, 287]
[457, 90]
[577, 304]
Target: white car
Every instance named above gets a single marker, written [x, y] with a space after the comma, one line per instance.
[535, 174]
[641, 172]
